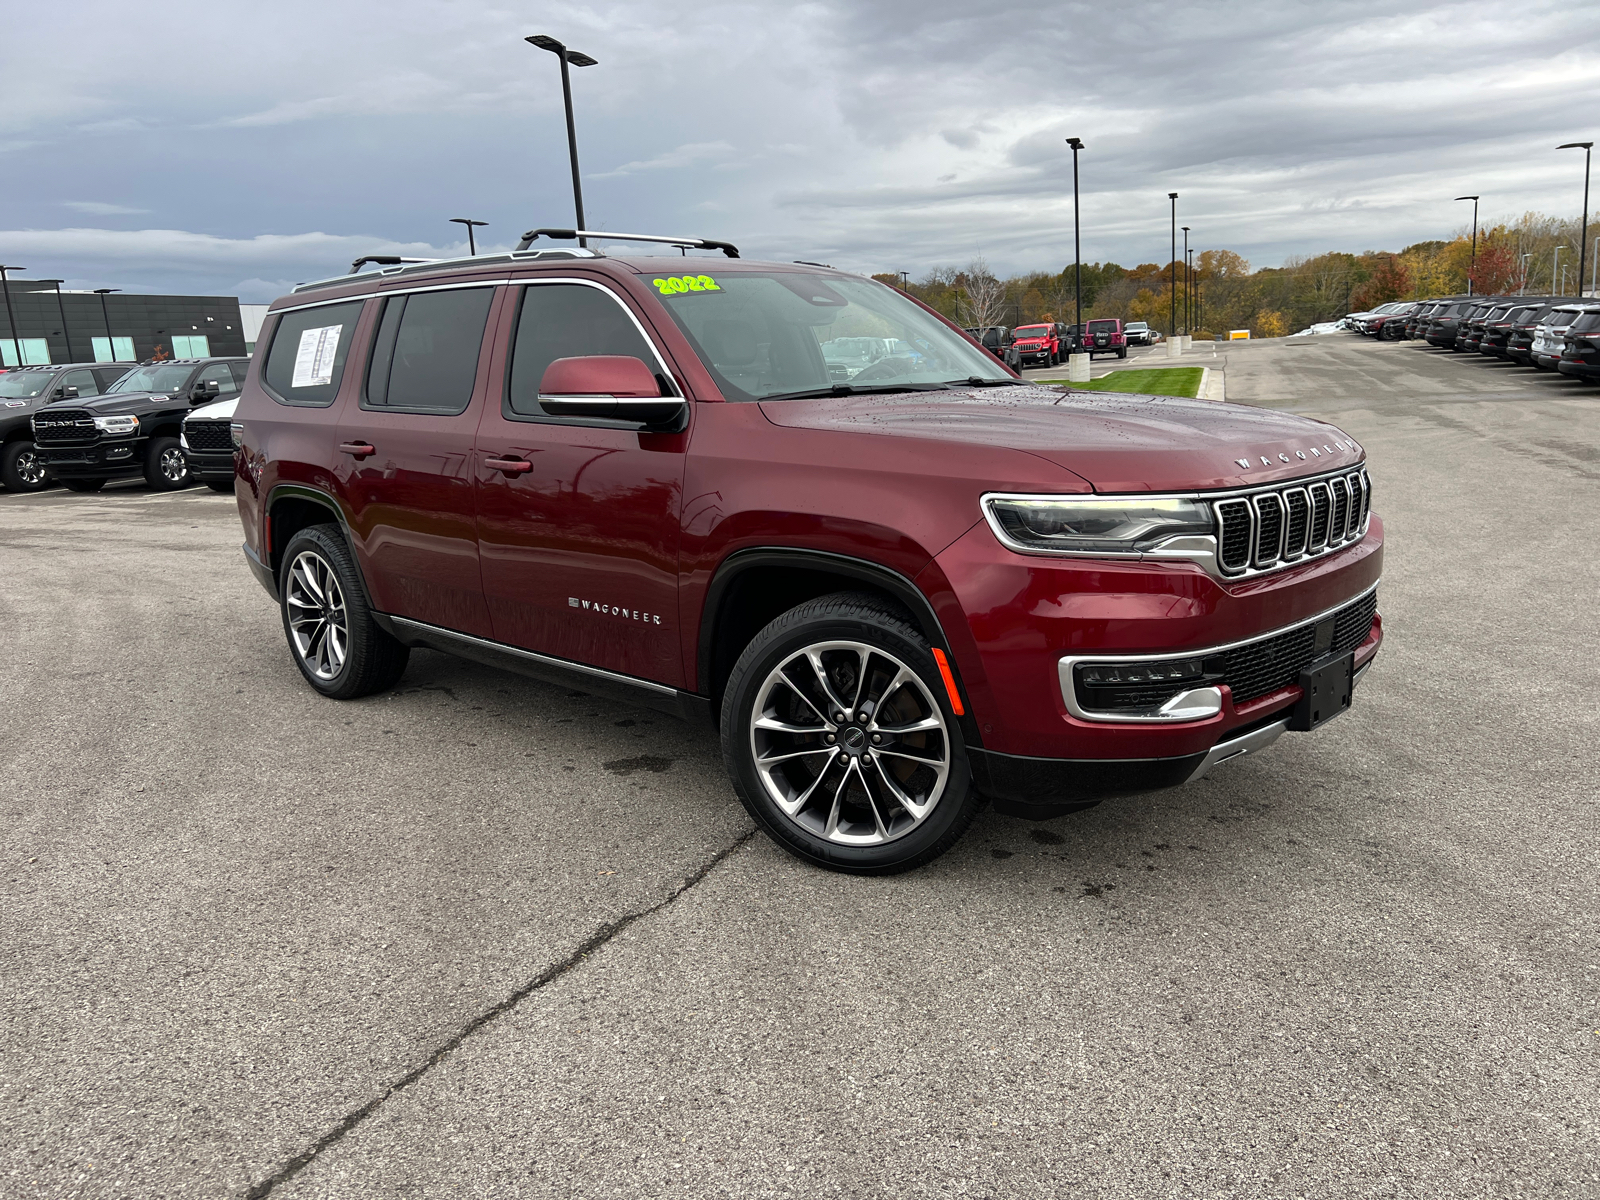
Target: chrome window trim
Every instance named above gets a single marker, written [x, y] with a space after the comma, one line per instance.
[1202, 548]
[399, 291]
[1068, 663]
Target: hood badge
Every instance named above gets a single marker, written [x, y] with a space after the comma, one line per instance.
[1316, 452]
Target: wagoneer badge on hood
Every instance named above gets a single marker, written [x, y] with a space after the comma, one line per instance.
[1316, 452]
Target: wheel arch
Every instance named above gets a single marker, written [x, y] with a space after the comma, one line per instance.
[753, 586]
[292, 507]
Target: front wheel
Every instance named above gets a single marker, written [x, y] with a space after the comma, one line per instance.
[1123, 352]
[840, 740]
[165, 467]
[20, 468]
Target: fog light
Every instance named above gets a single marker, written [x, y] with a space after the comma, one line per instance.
[119, 452]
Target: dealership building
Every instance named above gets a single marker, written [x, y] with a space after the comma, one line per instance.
[42, 325]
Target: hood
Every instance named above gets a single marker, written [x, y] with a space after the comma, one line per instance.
[1117, 442]
[217, 410]
[125, 402]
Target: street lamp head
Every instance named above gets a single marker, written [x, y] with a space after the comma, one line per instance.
[105, 291]
[545, 42]
[579, 59]
[467, 221]
[1172, 195]
[1075, 143]
[1469, 197]
[1574, 146]
[1185, 228]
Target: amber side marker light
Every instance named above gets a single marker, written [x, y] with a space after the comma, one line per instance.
[949, 683]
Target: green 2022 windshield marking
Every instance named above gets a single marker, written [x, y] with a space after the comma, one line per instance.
[675, 285]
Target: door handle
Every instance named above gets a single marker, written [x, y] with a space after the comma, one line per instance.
[509, 466]
[358, 450]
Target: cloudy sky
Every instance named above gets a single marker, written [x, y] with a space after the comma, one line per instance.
[237, 149]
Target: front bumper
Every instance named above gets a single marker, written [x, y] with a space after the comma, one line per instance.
[209, 465]
[100, 460]
[1022, 614]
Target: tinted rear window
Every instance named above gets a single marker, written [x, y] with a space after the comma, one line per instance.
[1102, 326]
[1585, 322]
[306, 362]
[425, 357]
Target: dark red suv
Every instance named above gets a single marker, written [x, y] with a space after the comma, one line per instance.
[895, 597]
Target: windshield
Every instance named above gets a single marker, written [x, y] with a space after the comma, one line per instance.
[153, 378]
[1032, 331]
[774, 334]
[24, 385]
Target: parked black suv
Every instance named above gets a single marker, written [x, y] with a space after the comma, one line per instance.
[134, 427]
[26, 390]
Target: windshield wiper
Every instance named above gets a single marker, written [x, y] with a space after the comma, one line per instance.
[979, 381]
[849, 389]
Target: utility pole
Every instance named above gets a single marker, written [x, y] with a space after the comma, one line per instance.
[1172, 324]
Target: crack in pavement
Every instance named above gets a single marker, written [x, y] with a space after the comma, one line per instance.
[593, 942]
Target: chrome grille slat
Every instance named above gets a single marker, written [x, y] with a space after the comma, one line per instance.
[1275, 526]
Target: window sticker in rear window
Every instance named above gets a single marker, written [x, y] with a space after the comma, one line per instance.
[313, 361]
[673, 285]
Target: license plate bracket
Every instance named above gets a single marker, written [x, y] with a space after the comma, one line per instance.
[1326, 689]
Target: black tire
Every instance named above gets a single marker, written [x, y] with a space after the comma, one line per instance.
[83, 485]
[221, 485]
[1123, 352]
[372, 660]
[165, 467]
[883, 640]
[20, 468]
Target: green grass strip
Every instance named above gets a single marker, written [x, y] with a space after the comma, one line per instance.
[1157, 381]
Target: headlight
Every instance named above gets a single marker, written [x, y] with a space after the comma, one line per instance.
[121, 426]
[1124, 525]
[183, 439]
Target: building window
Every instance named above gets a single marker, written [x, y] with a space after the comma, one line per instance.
[35, 352]
[190, 346]
[113, 349]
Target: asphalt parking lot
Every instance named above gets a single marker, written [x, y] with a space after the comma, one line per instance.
[485, 937]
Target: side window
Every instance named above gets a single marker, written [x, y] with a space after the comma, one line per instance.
[224, 378]
[305, 362]
[567, 320]
[240, 370]
[109, 375]
[84, 381]
[425, 356]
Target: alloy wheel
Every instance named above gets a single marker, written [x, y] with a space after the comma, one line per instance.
[29, 468]
[173, 466]
[849, 743]
[318, 623]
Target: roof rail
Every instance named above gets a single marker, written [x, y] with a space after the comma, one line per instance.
[533, 235]
[385, 260]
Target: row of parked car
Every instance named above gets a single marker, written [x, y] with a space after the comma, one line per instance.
[81, 424]
[1048, 343]
[1552, 333]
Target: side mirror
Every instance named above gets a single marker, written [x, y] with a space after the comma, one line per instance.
[207, 389]
[607, 385]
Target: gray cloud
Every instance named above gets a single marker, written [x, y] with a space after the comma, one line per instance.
[875, 135]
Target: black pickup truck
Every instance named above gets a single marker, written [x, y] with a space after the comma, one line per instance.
[133, 429]
[24, 391]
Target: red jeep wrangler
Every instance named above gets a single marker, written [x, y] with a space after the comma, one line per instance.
[1105, 336]
[895, 597]
[1040, 344]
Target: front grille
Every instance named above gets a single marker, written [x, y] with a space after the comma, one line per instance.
[1250, 670]
[1277, 526]
[1299, 522]
[209, 435]
[63, 427]
[1269, 529]
[1233, 542]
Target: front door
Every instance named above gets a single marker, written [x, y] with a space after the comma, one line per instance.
[578, 524]
[405, 454]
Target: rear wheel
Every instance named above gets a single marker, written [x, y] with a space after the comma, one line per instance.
[20, 468]
[83, 485]
[165, 467]
[840, 740]
[1122, 352]
[339, 648]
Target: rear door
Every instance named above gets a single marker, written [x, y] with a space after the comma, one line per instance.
[404, 457]
[578, 518]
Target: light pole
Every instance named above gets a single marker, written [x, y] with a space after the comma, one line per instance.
[1077, 249]
[11, 321]
[1583, 222]
[1595, 262]
[905, 281]
[578, 59]
[61, 308]
[472, 243]
[111, 342]
[1172, 324]
[1185, 279]
[1474, 266]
